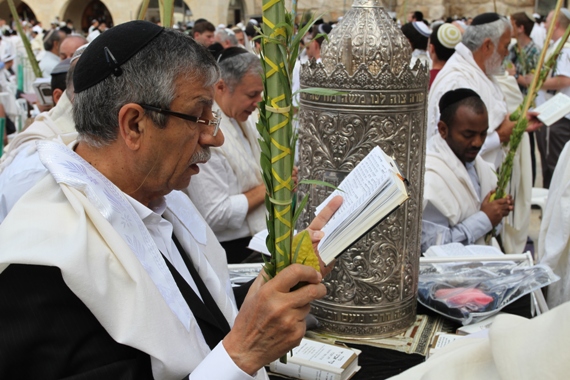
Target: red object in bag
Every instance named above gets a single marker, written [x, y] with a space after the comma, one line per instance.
[471, 298]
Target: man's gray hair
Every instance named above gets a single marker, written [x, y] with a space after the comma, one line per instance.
[224, 35]
[50, 40]
[148, 78]
[235, 68]
[475, 35]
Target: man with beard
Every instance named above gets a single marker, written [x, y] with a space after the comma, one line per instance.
[477, 58]
[458, 182]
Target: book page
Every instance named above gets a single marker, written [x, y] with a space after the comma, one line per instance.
[364, 182]
[320, 354]
[460, 250]
[553, 109]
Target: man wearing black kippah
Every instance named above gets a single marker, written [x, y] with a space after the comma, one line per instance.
[107, 271]
[458, 183]
[476, 60]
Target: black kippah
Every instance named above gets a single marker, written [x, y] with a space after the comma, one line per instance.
[216, 49]
[62, 67]
[231, 52]
[485, 18]
[454, 96]
[106, 53]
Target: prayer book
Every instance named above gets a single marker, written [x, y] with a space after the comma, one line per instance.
[553, 109]
[313, 360]
[371, 191]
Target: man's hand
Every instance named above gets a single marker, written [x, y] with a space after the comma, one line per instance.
[505, 130]
[497, 209]
[533, 122]
[318, 223]
[271, 320]
[295, 178]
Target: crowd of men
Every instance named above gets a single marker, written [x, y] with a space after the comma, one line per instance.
[121, 206]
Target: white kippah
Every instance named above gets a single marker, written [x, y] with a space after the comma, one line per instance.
[565, 12]
[449, 35]
[421, 27]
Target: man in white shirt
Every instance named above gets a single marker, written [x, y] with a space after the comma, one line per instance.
[20, 166]
[458, 182]
[551, 140]
[51, 57]
[229, 191]
[476, 60]
[106, 270]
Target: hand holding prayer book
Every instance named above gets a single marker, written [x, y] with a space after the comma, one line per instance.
[371, 191]
[553, 109]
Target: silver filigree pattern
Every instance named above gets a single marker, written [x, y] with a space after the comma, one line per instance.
[372, 289]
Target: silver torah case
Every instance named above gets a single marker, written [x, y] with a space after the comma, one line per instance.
[372, 288]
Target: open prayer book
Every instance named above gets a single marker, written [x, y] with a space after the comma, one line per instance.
[371, 191]
[553, 109]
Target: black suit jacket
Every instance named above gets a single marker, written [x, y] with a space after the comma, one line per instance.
[46, 332]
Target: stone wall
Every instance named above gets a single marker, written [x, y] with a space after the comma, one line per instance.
[124, 10]
[432, 9]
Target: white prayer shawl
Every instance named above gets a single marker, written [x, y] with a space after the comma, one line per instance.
[110, 261]
[47, 125]
[554, 237]
[514, 234]
[515, 348]
[245, 166]
[510, 90]
[447, 185]
[461, 71]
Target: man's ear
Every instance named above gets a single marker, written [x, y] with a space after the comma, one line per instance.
[443, 129]
[56, 94]
[221, 87]
[488, 47]
[133, 125]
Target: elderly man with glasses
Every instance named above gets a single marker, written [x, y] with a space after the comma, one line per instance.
[106, 270]
[229, 191]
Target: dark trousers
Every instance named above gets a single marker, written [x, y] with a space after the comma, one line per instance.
[551, 141]
[236, 250]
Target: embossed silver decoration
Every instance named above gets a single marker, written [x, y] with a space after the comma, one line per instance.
[372, 289]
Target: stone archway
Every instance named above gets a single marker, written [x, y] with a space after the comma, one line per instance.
[95, 9]
[182, 12]
[24, 11]
[236, 12]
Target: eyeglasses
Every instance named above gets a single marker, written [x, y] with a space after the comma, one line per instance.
[215, 121]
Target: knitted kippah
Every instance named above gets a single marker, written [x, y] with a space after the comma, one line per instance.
[449, 35]
[454, 96]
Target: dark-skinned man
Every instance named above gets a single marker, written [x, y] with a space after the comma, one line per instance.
[458, 182]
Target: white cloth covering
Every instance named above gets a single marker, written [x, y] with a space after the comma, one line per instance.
[514, 234]
[448, 187]
[554, 237]
[47, 63]
[461, 71]
[111, 262]
[515, 348]
[217, 191]
[20, 166]
[511, 91]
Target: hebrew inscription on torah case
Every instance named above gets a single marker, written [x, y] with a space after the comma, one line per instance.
[372, 289]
